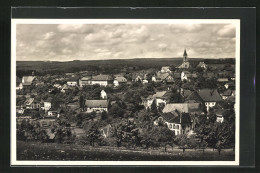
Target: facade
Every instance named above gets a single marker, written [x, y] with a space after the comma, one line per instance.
[47, 105]
[85, 81]
[185, 64]
[119, 80]
[185, 75]
[160, 97]
[30, 103]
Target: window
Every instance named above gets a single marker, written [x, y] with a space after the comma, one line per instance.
[170, 126]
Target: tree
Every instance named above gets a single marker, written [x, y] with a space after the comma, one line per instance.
[182, 141]
[82, 102]
[154, 108]
[93, 135]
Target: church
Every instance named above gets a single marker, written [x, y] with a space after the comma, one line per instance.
[185, 63]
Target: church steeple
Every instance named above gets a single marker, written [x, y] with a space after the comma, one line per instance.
[185, 56]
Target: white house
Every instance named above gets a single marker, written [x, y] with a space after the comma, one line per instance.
[47, 105]
[85, 81]
[102, 80]
[202, 65]
[176, 121]
[73, 81]
[185, 75]
[210, 97]
[165, 69]
[119, 80]
[96, 105]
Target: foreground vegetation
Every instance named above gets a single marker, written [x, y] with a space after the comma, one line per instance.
[50, 151]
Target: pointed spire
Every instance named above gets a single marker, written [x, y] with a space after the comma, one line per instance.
[185, 53]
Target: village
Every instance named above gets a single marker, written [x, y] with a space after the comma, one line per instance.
[185, 106]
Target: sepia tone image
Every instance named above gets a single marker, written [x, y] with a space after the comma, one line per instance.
[131, 90]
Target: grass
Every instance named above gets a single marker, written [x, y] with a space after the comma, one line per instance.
[54, 152]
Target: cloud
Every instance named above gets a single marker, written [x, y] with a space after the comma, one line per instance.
[106, 41]
[227, 31]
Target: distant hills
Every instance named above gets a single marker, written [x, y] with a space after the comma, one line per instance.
[112, 65]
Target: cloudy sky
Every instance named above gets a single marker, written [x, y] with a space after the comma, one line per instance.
[66, 42]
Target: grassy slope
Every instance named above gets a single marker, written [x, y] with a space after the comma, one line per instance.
[38, 151]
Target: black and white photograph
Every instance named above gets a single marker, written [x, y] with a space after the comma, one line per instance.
[125, 92]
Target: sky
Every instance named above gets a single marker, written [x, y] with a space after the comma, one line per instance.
[67, 42]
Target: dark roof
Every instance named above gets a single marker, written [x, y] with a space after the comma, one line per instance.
[227, 93]
[176, 117]
[73, 79]
[176, 75]
[96, 103]
[183, 107]
[194, 96]
[102, 78]
[209, 95]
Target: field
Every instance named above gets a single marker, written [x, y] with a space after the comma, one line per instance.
[54, 152]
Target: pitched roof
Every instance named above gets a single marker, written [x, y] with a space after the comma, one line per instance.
[185, 53]
[166, 68]
[182, 107]
[73, 79]
[222, 80]
[121, 79]
[176, 117]
[194, 96]
[28, 79]
[29, 101]
[227, 93]
[96, 103]
[209, 95]
[102, 78]
[86, 78]
[160, 94]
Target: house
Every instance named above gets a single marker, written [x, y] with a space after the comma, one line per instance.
[73, 81]
[163, 77]
[96, 105]
[176, 121]
[69, 74]
[185, 64]
[230, 85]
[138, 77]
[56, 85]
[52, 113]
[31, 103]
[185, 75]
[64, 88]
[160, 97]
[103, 94]
[47, 104]
[210, 97]
[119, 80]
[165, 69]
[19, 84]
[202, 65]
[85, 81]
[226, 94]
[27, 80]
[222, 80]
[102, 80]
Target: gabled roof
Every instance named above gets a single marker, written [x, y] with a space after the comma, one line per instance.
[102, 78]
[87, 78]
[222, 80]
[176, 117]
[28, 79]
[96, 103]
[227, 93]
[185, 53]
[160, 94]
[194, 96]
[121, 79]
[182, 107]
[73, 79]
[141, 75]
[209, 95]
[29, 101]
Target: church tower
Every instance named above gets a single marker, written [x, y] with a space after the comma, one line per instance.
[185, 55]
[185, 63]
